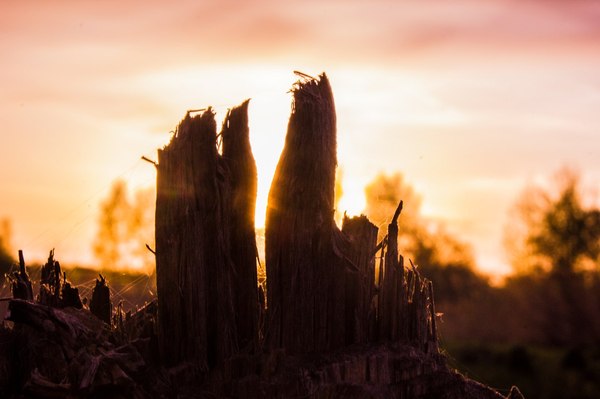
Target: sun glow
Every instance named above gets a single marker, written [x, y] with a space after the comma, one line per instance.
[352, 201]
[268, 115]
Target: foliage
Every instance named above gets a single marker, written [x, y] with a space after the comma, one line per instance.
[553, 231]
[554, 241]
[125, 226]
[6, 260]
[540, 372]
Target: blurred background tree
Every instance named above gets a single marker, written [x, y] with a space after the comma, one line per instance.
[125, 226]
[6, 259]
[553, 239]
[552, 230]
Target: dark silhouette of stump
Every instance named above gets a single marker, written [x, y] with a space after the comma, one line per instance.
[300, 227]
[321, 292]
[21, 284]
[55, 290]
[238, 158]
[50, 282]
[100, 304]
[319, 286]
[205, 243]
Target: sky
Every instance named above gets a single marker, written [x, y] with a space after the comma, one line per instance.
[470, 100]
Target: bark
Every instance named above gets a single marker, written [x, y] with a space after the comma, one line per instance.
[189, 247]
[50, 282]
[360, 284]
[100, 304]
[238, 158]
[55, 290]
[299, 227]
[21, 285]
[205, 243]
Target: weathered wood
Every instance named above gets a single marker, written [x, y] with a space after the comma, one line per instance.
[70, 295]
[205, 241]
[50, 282]
[100, 304]
[393, 277]
[55, 290]
[360, 312]
[433, 337]
[406, 311]
[238, 158]
[300, 258]
[321, 293]
[21, 285]
[70, 353]
[189, 247]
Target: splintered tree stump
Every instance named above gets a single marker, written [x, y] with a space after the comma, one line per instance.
[238, 158]
[360, 308]
[21, 285]
[50, 282]
[299, 228]
[100, 304]
[205, 243]
[320, 280]
[55, 290]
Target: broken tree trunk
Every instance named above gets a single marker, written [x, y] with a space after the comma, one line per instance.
[21, 285]
[50, 282]
[237, 155]
[406, 311]
[100, 304]
[319, 279]
[360, 284]
[55, 290]
[205, 254]
[300, 226]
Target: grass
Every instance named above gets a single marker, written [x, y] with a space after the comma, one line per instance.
[539, 372]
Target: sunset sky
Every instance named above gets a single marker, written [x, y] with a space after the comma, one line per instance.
[470, 100]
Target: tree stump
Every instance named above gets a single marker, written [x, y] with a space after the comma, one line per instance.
[299, 226]
[205, 243]
[100, 304]
[21, 284]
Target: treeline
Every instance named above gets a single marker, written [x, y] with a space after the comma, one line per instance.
[553, 239]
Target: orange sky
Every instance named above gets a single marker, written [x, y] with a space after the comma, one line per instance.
[471, 100]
